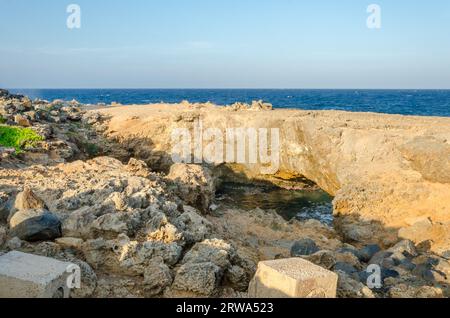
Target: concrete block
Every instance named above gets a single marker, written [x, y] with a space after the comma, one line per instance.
[292, 278]
[30, 276]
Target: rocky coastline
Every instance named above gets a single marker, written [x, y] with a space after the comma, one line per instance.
[95, 186]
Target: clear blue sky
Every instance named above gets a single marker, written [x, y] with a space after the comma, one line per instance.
[225, 44]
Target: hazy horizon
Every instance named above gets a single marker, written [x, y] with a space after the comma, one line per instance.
[200, 44]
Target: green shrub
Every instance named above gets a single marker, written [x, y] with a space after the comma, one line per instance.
[18, 138]
[2, 120]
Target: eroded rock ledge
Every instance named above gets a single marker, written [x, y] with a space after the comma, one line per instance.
[390, 172]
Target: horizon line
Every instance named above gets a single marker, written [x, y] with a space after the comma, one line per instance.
[213, 88]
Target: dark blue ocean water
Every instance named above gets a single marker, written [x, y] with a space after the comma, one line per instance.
[406, 102]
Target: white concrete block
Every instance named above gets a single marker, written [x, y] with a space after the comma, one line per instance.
[292, 278]
[30, 276]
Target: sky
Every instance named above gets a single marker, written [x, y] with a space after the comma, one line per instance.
[225, 44]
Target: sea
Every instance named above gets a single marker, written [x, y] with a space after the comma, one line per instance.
[404, 102]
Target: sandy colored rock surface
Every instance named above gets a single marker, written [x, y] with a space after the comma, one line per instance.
[386, 170]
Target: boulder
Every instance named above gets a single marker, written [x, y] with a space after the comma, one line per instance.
[27, 200]
[350, 288]
[88, 280]
[405, 247]
[237, 277]
[159, 228]
[138, 168]
[22, 121]
[79, 223]
[292, 278]
[368, 251]
[14, 243]
[215, 251]
[195, 185]
[345, 268]
[418, 232]
[194, 226]
[129, 257]
[157, 277]
[325, 259]
[6, 204]
[35, 225]
[303, 248]
[111, 224]
[198, 278]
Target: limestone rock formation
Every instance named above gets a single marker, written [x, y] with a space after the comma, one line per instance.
[384, 170]
[195, 184]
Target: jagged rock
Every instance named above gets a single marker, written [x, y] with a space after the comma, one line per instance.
[138, 168]
[91, 118]
[88, 280]
[380, 257]
[200, 278]
[432, 269]
[4, 93]
[255, 106]
[35, 225]
[345, 268]
[405, 247]
[6, 152]
[3, 235]
[157, 277]
[44, 130]
[368, 251]
[237, 277]
[129, 257]
[357, 233]
[27, 200]
[418, 232]
[303, 248]
[70, 242]
[22, 121]
[350, 288]
[195, 184]
[113, 286]
[14, 243]
[6, 205]
[325, 259]
[348, 258]
[215, 251]
[260, 105]
[112, 224]
[159, 228]
[79, 224]
[195, 227]
[407, 291]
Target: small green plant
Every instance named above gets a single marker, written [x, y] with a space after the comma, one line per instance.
[2, 120]
[18, 138]
[91, 149]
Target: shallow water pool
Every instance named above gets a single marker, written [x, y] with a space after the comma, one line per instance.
[300, 204]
